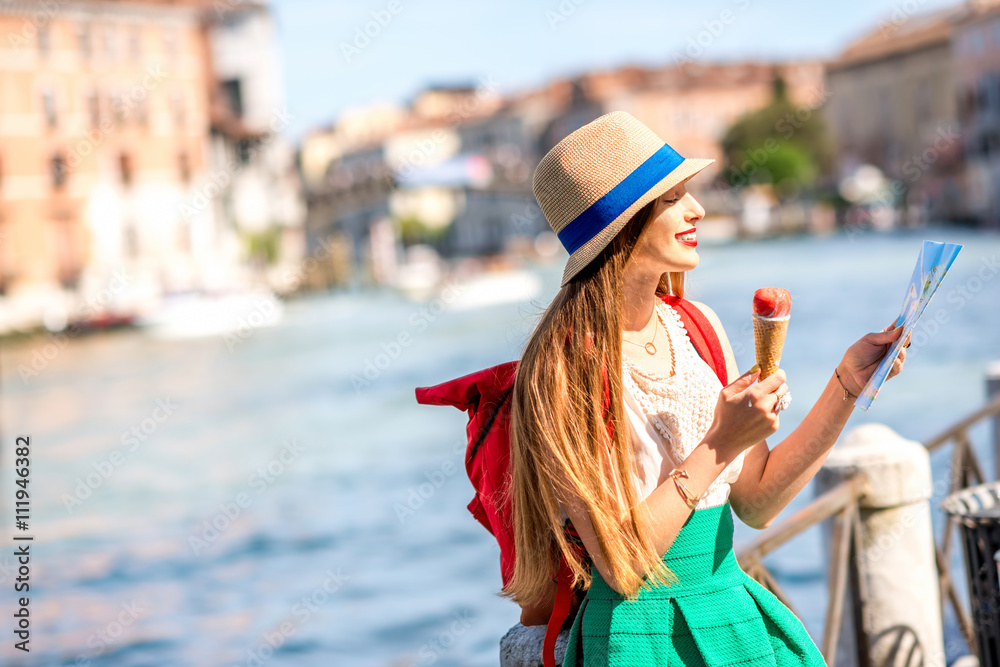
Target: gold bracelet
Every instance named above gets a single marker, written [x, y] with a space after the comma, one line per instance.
[689, 498]
[846, 393]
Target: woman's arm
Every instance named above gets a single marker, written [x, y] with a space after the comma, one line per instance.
[754, 458]
[794, 461]
[663, 512]
[742, 416]
[770, 478]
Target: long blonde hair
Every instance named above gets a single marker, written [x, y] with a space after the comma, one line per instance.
[559, 436]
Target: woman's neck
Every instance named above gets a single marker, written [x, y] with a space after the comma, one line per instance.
[639, 294]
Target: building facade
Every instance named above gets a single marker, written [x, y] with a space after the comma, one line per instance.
[892, 105]
[112, 157]
[260, 195]
[976, 49]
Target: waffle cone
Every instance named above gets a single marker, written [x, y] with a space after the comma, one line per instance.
[769, 339]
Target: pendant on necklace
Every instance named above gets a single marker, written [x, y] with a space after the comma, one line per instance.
[650, 348]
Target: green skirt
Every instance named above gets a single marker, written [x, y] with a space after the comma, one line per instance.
[716, 615]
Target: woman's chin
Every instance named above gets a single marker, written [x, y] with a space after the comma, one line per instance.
[684, 262]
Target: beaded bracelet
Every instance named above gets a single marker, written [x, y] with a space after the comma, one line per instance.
[689, 498]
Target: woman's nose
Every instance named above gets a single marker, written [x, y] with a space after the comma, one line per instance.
[694, 210]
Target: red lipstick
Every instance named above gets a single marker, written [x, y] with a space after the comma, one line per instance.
[693, 243]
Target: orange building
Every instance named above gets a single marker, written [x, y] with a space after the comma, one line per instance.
[104, 127]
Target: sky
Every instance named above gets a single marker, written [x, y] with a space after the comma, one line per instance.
[331, 65]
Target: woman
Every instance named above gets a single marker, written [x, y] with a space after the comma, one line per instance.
[612, 404]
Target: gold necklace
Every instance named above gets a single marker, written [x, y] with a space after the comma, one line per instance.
[650, 348]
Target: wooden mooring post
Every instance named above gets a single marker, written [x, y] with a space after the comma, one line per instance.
[892, 609]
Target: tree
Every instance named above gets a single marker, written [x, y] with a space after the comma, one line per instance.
[262, 246]
[413, 230]
[782, 143]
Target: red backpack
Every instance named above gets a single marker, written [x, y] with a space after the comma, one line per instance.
[485, 395]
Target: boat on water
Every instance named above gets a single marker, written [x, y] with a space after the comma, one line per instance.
[471, 282]
[200, 314]
[490, 287]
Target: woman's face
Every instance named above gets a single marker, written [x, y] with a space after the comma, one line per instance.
[669, 243]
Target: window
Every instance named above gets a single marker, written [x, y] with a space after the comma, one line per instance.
[977, 41]
[83, 39]
[131, 239]
[59, 171]
[118, 106]
[134, 45]
[49, 107]
[232, 96]
[43, 40]
[844, 118]
[884, 106]
[184, 236]
[142, 108]
[170, 42]
[245, 150]
[109, 42]
[125, 165]
[94, 107]
[177, 106]
[184, 164]
[990, 92]
[924, 109]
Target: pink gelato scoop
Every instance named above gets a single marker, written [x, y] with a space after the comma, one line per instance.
[772, 302]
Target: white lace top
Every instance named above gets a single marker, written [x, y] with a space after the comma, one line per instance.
[674, 414]
[670, 415]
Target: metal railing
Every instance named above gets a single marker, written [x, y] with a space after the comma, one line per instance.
[841, 504]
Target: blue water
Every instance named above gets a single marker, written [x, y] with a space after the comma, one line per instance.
[304, 474]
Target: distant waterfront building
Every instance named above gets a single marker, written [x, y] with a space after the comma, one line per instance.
[352, 195]
[454, 167]
[103, 132]
[354, 128]
[976, 49]
[452, 171]
[892, 105]
[260, 194]
[347, 185]
[482, 186]
[112, 154]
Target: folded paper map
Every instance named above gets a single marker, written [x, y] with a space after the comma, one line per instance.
[933, 263]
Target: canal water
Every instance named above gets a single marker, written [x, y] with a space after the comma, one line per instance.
[281, 499]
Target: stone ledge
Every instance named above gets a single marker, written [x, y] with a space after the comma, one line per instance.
[522, 646]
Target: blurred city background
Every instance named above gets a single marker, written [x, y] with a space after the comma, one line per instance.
[234, 236]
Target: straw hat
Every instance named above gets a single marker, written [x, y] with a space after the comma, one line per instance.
[594, 180]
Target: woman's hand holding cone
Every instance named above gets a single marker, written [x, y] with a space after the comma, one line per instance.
[772, 307]
[744, 414]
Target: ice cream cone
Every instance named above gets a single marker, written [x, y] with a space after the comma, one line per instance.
[769, 339]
